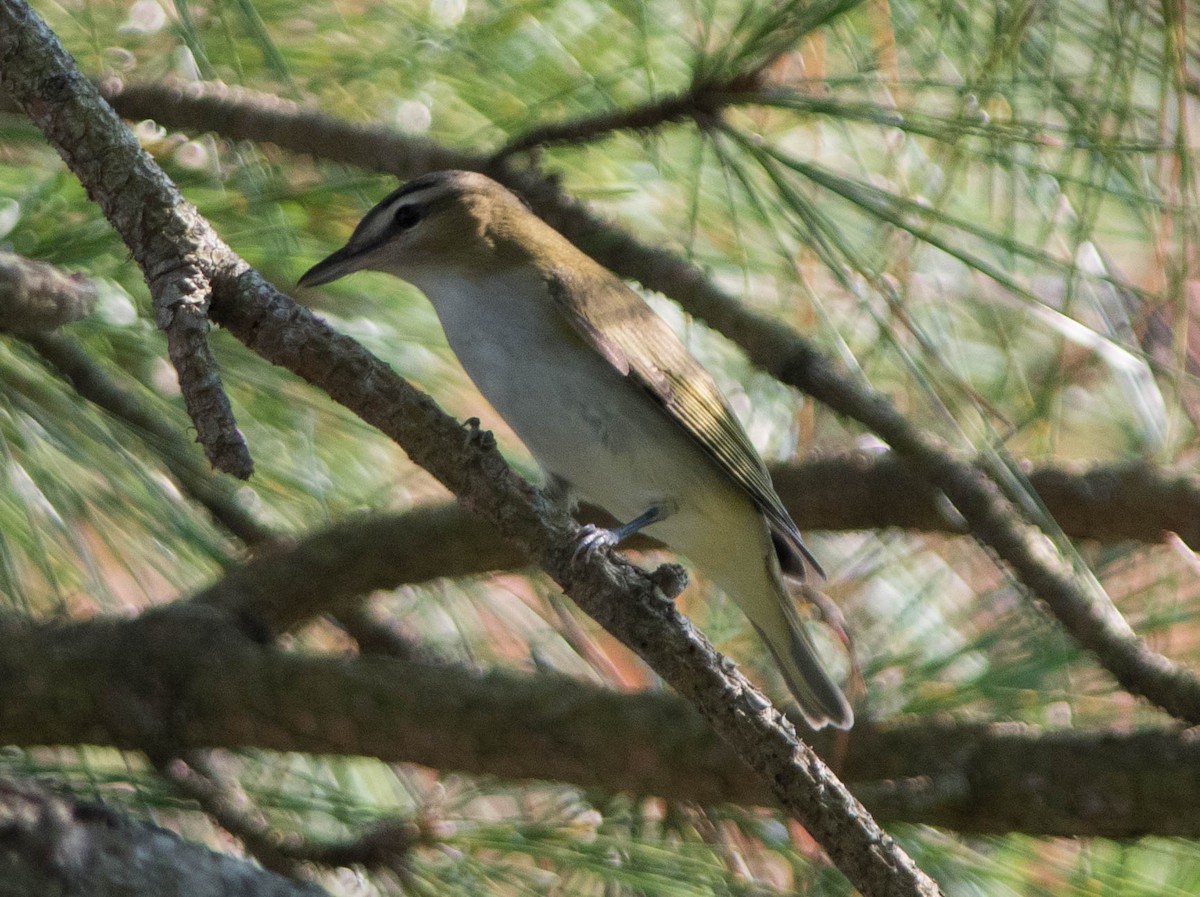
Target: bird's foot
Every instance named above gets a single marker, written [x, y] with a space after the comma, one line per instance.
[592, 538]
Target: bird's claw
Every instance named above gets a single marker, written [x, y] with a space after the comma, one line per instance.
[592, 538]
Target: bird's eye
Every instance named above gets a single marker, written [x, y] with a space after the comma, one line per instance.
[406, 216]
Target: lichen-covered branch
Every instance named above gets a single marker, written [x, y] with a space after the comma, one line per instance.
[143, 206]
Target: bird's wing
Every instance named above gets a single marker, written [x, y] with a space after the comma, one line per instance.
[619, 325]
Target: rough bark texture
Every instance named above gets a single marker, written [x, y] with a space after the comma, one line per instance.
[35, 296]
[51, 846]
[168, 240]
[188, 678]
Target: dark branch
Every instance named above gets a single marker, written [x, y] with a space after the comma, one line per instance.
[241, 114]
[182, 680]
[387, 843]
[699, 105]
[51, 844]
[35, 296]
[194, 778]
[328, 571]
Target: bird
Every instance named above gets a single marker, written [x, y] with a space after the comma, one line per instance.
[608, 400]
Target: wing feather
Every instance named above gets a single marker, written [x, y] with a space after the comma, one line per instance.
[619, 325]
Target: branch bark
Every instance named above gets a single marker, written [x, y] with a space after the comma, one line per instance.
[143, 205]
[36, 296]
[329, 571]
[51, 845]
[186, 678]
[45, 81]
[1110, 503]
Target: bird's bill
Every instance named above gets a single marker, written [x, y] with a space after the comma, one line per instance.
[339, 264]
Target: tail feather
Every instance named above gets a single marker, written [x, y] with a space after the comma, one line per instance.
[821, 702]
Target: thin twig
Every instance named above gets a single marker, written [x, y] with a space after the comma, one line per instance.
[181, 298]
[194, 776]
[387, 843]
[700, 105]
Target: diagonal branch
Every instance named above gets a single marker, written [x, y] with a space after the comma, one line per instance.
[43, 78]
[387, 843]
[327, 571]
[138, 200]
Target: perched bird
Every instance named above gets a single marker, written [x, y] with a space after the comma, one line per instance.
[602, 392]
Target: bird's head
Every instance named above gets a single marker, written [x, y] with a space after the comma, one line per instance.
[438, 224]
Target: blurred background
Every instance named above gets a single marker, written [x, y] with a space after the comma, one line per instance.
[987, 211]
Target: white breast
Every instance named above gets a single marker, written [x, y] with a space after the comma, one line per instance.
[581, 419]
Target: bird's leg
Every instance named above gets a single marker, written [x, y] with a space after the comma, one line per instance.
[592, 538]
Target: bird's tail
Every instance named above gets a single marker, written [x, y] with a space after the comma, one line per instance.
[821, 702]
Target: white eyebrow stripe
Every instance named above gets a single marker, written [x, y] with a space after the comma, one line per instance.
[379, 221]
[417, 195]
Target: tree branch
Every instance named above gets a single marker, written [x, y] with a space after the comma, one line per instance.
[387, 843]
[1133, 501]
[44, 80]
[139, 201]
[50, 844]
[72, 362]
[699, 104]
[185, 678]
[329, 570]
[35, 296]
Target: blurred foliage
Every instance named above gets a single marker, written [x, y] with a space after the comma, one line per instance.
[989, 210]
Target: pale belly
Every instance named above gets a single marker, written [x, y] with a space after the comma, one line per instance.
[585, 422]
